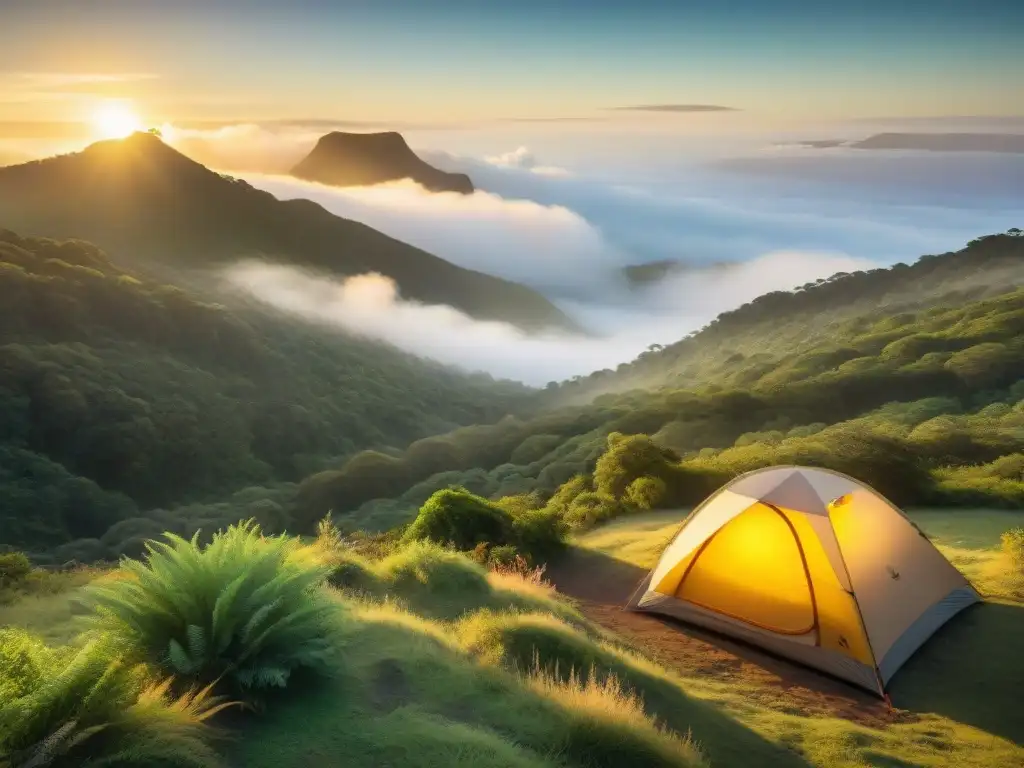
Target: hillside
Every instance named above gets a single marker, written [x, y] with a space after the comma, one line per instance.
[892, 397]
[361, 159]
[782, 323]
[118, 393]
[147, 204]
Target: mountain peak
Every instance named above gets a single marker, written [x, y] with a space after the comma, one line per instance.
[361, 159]
[151, 206]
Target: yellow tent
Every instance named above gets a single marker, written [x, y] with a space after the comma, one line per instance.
[812, 565]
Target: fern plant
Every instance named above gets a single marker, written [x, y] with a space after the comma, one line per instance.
[88, 707]
[247, 607]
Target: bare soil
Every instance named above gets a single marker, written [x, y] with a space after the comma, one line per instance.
[601, 586]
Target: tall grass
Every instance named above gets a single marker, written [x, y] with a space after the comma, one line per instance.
[90, 707]
[606, 725]
[247, 608]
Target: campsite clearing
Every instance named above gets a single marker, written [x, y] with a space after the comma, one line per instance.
[955, 700]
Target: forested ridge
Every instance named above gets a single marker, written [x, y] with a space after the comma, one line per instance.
[753, 336]
[193, 415]
[919, 402]
[119, 394]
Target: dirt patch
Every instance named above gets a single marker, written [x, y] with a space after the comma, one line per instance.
[601, 586]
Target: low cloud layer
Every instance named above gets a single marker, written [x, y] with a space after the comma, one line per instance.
[369, 305]
[547, 247]
[569, 236]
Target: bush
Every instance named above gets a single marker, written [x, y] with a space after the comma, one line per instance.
[540, 533]
[457, 517]
[591, 508]
[503, 556]
[246, 607]
[1013, 546]
[63, 708]
[14, 566]
[646, 492]
[629, 458]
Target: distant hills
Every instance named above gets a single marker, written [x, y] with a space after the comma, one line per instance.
[783, 323]
[359, 159]
[1011, 143]
[149, 205]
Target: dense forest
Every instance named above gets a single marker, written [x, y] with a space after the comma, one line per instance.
[191, 415]
[119, 394]
[750, 338]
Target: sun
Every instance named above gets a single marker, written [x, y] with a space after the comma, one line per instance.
[115, 120]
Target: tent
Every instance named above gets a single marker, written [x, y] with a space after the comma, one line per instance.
[811, 565]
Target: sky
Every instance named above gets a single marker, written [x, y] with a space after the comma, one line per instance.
[428, 62]
[598, 134]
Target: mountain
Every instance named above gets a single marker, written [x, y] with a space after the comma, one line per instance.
[361, 159]
[147, 204]
[1012, 143]
[120, 394]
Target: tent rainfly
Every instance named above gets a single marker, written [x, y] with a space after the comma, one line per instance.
[811, 565]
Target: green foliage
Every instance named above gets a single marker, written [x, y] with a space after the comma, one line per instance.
[591, 508]
[457, 517]
[463, 520]
[89, 707]
[646, 492]
[539, 533]
[1013, 546]
[627, 459]
[244, 607]
[119, 394]
[14, 566]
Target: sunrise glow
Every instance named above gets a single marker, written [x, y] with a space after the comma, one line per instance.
[115, 120]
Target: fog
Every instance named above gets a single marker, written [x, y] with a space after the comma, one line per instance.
[566, 222]
[370, 306]
[563, 205]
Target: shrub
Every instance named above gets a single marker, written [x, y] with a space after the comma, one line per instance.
[14, 566]
[540, 533]
[246, 606]
[590, 508]
[646, 492]
[1013, 545]
[628, 458]
[72, 708]
[504, 556]
[457, 517]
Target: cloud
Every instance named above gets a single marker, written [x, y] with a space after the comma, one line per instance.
[369, 305]
[548, 247]
[675, 108]
[523, 158]
[569, 236]
[243, 147]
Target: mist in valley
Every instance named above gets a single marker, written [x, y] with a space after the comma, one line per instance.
[569, 231]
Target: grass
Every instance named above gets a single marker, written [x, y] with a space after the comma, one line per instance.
[960, 692]
[412, 695]
[445, 664]
[51, 604]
